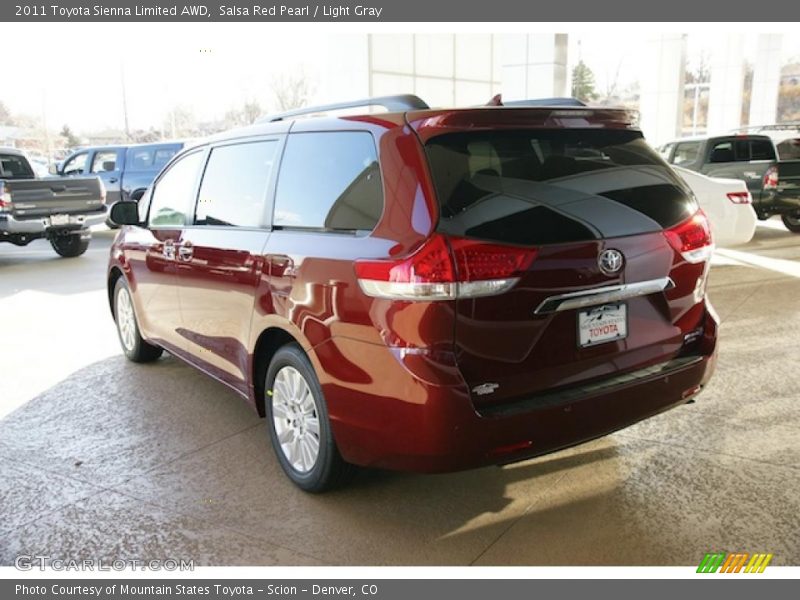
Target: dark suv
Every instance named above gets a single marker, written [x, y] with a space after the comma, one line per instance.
[419, 289]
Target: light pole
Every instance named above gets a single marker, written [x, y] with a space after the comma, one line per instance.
[124, 100]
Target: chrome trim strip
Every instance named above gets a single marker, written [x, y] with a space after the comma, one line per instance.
[602, 295]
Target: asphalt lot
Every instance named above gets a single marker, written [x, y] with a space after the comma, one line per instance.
[101, 458]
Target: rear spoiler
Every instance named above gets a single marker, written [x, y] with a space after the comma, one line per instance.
[498, 101]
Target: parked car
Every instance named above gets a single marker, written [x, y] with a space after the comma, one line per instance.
[728, 205]
[60, 211]
[770, 168]
[126, 171]
[422, 289]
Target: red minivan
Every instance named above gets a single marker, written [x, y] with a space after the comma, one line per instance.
[424, 289]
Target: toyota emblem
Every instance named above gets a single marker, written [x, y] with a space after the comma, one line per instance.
[610, 261]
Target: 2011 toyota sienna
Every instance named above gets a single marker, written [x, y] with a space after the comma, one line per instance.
[421, 289]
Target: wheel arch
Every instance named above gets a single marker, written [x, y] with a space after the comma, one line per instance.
[113, 276]
[269, 341]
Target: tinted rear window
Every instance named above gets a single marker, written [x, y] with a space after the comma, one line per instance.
[554, 186]
[14, 167]
[741, 150]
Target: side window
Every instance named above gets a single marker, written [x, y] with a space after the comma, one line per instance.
[761, 150]
[162, 156]
[234, 188]
[329, 181]
[686, 153]
[174, 193]
[139, 159]
[789, 149]
[722, 152]
[75, 165]
[104, 161]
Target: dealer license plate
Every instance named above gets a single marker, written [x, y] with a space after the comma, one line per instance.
[59, 220]
[602, 324]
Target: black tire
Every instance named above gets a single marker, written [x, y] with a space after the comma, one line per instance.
[792, 222]
[329, 469]
[134, 347]
[71, 245]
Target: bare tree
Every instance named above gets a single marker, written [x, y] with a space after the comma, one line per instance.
[612, 84]
[251, 111]
[5, 114]
[699, 71]
[246, 115]
[291, 90]
[179, 122]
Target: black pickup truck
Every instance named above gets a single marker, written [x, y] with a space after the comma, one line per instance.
[768, 164]
[60, 210]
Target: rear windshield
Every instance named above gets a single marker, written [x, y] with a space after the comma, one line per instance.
[13, 166]
[789, 149]
[554, 186]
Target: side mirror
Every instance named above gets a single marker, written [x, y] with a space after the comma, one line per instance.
[52, 169]
[125, 213]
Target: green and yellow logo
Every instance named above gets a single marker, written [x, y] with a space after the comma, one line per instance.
[734, 563]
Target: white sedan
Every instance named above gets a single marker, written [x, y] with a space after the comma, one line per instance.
[728, 205]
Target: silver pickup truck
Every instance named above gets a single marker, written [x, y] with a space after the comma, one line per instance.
[60, 210]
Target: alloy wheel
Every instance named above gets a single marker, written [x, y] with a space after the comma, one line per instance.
[126, 322]
[296, 419]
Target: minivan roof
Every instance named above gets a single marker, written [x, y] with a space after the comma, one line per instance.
[427, 122]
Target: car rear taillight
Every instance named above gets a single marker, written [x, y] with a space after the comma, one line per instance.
[740, 197]
[445, 268]
[5, 198]
[692, 238]
[771, 178]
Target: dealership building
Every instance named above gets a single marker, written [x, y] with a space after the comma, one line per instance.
[467, 69]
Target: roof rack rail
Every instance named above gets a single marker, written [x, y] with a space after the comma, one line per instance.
[397, 103]
[791, 126]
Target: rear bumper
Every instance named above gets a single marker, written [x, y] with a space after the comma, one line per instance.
[778, 203]
[404, 421]
[40, 227]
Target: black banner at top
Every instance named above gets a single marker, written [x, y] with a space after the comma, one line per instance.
[376, 11]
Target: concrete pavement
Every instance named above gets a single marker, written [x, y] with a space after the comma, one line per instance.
[101, 458]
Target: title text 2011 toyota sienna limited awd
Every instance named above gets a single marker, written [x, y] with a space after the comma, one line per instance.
[421, 289]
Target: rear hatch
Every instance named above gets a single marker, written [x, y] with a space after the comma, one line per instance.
[36, 198]
[602, 242]
[789, 166]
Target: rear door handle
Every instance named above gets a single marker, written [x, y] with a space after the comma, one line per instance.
[113, 180]
[186, 252]
[168, 251]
